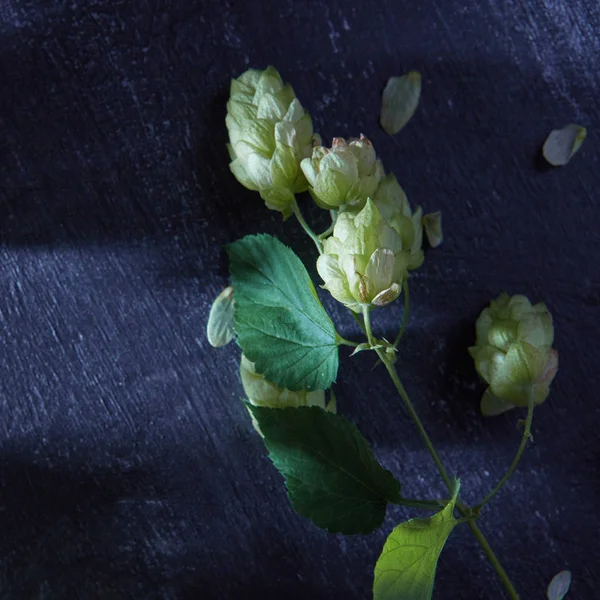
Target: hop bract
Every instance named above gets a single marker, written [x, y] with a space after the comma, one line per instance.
[269, 134]
[344, 175]
[392, 203]
[261, 392]
[513, 353]
[366, 259]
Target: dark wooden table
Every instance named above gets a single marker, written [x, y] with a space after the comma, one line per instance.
[128, 466]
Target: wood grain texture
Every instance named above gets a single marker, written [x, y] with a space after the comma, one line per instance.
[128, 467]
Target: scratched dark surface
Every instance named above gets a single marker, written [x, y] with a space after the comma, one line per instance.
[128, 467]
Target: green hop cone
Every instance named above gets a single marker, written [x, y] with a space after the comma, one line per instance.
[269, 134]
[392, 203]
[365, 261]
[344, 175]
[261, 392]
[513, 353]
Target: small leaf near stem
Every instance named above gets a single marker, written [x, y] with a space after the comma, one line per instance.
[313, 236]
[515, 462]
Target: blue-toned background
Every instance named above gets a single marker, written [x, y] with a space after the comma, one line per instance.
[128, 467]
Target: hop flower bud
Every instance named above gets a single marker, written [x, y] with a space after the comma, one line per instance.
[346, 174]
[261, 392]
[365, 260]
[393, 205]
[513, 353]
[269, 134]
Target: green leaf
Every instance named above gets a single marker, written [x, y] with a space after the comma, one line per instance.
[399, 101]
[406, 568]
[559, 586]
[219, 328]
[280, 323]
[561, 144]
[330, 472]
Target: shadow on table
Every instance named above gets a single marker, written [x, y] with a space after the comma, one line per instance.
[68, 180]
[52, 523]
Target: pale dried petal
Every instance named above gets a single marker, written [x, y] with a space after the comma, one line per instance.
[432, 223]
[219, 328]
[399, 102]
[562, 144]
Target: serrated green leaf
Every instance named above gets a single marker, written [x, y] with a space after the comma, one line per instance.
[561, 144]
[559, 586]
[219, 328]
[399, 101]
[330, 472]
[406, 568]
[280, 323]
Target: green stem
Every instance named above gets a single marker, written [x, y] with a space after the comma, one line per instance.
[391, 369]
[464, 510]
[344, 342]
[405, 315]
[313, 236]
[515, 462]
[327, 232]
[359, 321]
[512, 592]
[366, 310]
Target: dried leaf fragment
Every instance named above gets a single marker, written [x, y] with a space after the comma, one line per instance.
[432, 223]
[559, 586]
[219, 329]
[562, 144]
[399, 101]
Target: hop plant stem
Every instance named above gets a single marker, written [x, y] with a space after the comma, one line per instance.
[313, 236]
[366, 310]
[464, 510]
[467, 512]
[405, 315]
[515, 462]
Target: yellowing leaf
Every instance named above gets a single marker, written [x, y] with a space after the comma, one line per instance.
[406, 568]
